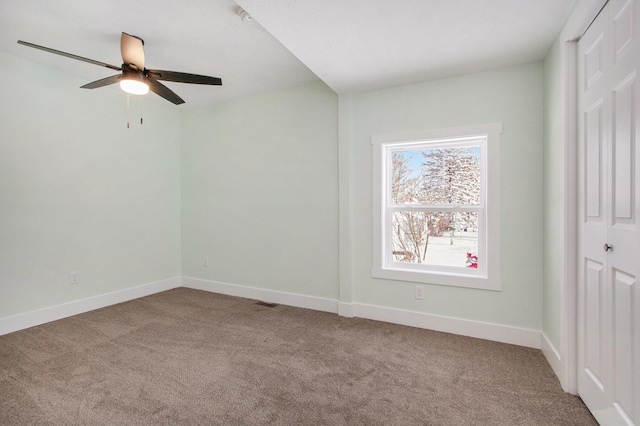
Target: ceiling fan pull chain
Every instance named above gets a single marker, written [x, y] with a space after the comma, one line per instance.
[141, 111]
[127, 110]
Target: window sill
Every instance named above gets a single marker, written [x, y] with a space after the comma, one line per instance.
[450, 279]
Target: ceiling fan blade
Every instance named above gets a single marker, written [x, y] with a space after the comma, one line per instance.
[69, 55]
[162, 90]
[103, 82]
[182, 77]
[132, 50]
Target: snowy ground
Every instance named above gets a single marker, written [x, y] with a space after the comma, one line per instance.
[441, 252]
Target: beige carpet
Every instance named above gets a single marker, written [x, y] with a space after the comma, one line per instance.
[187, 357]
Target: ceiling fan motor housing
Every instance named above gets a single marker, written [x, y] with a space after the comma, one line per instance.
[131, 73]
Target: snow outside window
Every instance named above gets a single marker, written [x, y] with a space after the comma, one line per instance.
[437, 206]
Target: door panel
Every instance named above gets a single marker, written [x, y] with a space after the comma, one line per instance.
[609, 203]
[594, 62]
[595, 329]
[623, 149]
[623, 30]
[592, 194]
[625, 318]
[593, 168]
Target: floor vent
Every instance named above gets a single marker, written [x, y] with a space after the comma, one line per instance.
[268, 305]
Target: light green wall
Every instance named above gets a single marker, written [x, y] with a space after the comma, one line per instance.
[252, 184]
[554, 197]
[513, 96]
[80, 192]
[260, 192]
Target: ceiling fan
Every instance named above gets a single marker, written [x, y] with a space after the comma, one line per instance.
[135, 78]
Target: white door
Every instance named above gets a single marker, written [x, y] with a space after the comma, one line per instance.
[609, 205]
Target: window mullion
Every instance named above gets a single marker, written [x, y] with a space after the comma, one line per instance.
[430, 208]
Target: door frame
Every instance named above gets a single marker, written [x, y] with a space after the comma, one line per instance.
[584, 13]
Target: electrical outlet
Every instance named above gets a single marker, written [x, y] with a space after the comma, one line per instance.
[205, 261]
[74, 278]
[419, 292]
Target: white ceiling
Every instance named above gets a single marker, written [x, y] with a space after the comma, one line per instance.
[358, 45]
[352, 45]
[195, 36]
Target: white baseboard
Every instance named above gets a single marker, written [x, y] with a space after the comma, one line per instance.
[481, 330]
[346, 309]
[265, 295]
[553, 357]
[53, 313]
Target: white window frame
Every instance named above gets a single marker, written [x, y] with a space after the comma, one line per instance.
[487, 276]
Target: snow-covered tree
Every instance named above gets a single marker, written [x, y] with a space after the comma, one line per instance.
[410, 236]
[411, 229]
[451, 176]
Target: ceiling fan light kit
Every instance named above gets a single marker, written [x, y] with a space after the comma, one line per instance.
[134, 82]
[135, 78]
[134, 87]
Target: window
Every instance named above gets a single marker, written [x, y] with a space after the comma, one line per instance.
[437, 206]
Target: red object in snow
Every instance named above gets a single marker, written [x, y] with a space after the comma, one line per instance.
[472, 261]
